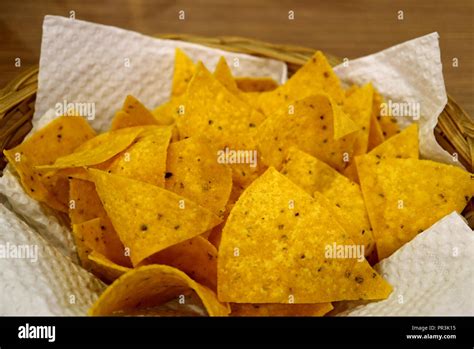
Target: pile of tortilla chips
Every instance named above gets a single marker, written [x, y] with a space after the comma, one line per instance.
[238, 196]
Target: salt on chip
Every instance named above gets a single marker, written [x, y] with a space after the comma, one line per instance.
[147, 218]
[193, 172]
[197, 257]
[229, 122]
[98, 149]
[133, 113]
[184, 69]
[345, 197]
[277, 247]
[309, 125]
[152, 285]
[315, 77]
[251, 84]
[145, 160]
[248, 309]
[60, 137]
[406, 196]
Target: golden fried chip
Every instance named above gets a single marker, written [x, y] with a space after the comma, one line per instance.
[60, 137]
[147, 218]
[197, 257]
[169, 111]
[104, 268]
[376, 136]
[98, 149]
[152, 285]
[345, 196]
[388, 124]
[280, 245]
[315, 77]
[133, 113]
[183, 72]
[224, 76]
[406, 196]
[84, 203]
[193, 172]
[145, 160]
[248, 84]
[213, 111]
[248, 309]
[309, 125]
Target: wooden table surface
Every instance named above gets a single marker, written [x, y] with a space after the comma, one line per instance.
[344, 28]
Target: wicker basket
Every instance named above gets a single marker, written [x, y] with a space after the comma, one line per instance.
[454, 131]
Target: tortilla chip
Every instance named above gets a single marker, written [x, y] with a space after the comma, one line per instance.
[147, 218]
[406, 196]
[310, 128]
[274, 250]
[99, 235]
[169, 111]
[104, 268]
[60, 137]
[388, 124]
[345, 197]
[358, 105]
[315, 77]
[213, 111]
[376, 136]
[98, 149]
[247, 309]
[133, 113]
[149, 286]
[250, 84]
[193, 172]
[197, 257]
[145, 160]
[84, 203]
[184, 69]
[403, 145]
[224, 76]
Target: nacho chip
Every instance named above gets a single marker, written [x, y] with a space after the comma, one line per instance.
[104, 268]
[153, 285]
[275, 249]
[197, 257]
[376, 136]
[388, 124]
[98, 149]
[247, 309]
[213, 111]
[224, 76]
[406, 196]
[184, 69]
[358, 105]
[84, 203]
[310, 128]
[60, 137]
[248, 84]
[403, 145]
[315, 77]
[99, 235]
[147, 218]
[193, 172]
[133, 113]
[169, 111]
[345, 196]
[145, 160]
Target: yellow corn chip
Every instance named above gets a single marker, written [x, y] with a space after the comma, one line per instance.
[153, 285]
[376, 136]
[248, 84]
[315, 77]
[406, 196]
[147, 218]
[388, 124]
[310, 127]
[84, 203]
[183, 72]
[104, 268]
[133, 113]
[145, 160]
[345, 196]
[224, 76]
[279, 245]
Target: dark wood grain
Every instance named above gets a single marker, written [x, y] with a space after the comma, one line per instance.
[344, 28]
